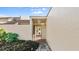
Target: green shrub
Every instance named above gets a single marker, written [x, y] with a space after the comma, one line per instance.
[2, 34]
[11, 37]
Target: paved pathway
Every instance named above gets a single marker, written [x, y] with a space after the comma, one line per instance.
[43, 47]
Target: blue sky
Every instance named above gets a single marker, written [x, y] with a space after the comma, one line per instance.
[24, 11]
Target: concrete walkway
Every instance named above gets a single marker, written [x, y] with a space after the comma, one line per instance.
[43, 47]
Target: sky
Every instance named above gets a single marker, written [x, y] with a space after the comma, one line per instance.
[24, 11]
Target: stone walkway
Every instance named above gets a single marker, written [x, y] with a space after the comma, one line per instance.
[43, 47]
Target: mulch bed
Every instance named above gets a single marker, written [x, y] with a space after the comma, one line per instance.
[20, 45]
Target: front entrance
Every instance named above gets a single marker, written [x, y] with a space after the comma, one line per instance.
[39, 29]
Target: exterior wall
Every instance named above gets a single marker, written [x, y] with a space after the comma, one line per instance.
[3, 20]
[43, 32]
[63, 28]
[24, 31]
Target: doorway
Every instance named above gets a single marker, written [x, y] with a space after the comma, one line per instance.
[39, 29]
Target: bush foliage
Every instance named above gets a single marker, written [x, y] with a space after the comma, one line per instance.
[10, 42]
[11, 37]
[2, 34]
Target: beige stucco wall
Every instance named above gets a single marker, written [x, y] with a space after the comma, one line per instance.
[24, 31]
[63, 28]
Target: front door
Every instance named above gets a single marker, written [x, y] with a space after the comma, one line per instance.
[38, 32]
[39, 29]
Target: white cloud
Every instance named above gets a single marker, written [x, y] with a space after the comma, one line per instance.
[1, 15]
[37, 12]
[40, 8]
[43, 9]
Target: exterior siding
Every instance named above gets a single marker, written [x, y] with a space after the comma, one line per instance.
[63, 28]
